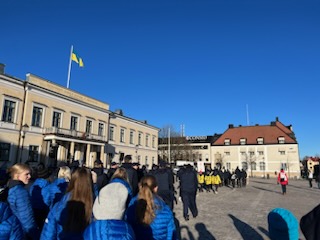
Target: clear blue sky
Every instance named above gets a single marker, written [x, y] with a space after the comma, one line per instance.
[197, 63]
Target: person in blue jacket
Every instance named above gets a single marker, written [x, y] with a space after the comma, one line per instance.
[120, 176]
[108, 210]
[149, 216]
[19, 199]
[56, 190]
[73, 213]
[10, 227]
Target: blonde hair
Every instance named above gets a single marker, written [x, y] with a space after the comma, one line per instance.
[64, 172]
[145, 209]
[120, 173]
[18, 168]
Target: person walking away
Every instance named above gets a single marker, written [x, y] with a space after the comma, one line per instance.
[114, 166]
[215, 178]
[283, 180]
[19, 199]
[108, 211]
[132, 173]
[165, 184]
[310, 177]
[102, 178]
[201, 181]
[233, 179]
[239, 179]
[73, 213]
[121, 176]
[189, 185]
[149, 216]
[208, 181]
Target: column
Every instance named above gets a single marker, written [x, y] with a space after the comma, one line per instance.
[103, 156]
[88, 156]
[71, 151]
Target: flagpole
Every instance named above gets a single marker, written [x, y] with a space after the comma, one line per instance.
[69, 70]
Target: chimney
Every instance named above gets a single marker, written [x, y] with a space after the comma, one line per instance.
[2, 67]
[230, 125]
[277, 119]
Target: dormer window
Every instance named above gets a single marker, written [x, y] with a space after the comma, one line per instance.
[243, 141]
[281, 140]
[227, 141]
[260, 140]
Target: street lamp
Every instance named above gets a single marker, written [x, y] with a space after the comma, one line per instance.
[24, 129]
[111, 115]
[137, 147]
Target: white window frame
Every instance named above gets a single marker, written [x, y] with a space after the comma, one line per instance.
[60, 120]
[16, 109]
[77, 125]
[42, 116]
[243, 141]
[227, 141]
[122, 135]
[101, 133]
[260, 141]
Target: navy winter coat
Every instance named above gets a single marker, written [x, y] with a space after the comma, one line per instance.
[10, 227]
[162, 226]
[109, 229]
[20, 204]
[36, 193]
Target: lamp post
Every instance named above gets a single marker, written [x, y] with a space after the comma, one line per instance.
[23, 135]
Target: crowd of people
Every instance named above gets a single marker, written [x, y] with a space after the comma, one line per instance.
[122, 202]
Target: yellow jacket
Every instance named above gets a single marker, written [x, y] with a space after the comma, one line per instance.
[207, 180]
[215, 179]
[201, 178]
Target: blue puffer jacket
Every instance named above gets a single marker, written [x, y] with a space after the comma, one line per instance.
[109, 229]
[54, 191]
[162, 226]
[20, 204]
[36, 193]
[10, 227]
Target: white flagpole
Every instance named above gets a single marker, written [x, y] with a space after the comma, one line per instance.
[69, 70]
[169, 155]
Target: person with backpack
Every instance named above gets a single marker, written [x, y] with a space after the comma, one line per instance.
[283, 180]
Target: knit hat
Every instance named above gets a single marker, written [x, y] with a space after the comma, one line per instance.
[111, 202]
[282, 225]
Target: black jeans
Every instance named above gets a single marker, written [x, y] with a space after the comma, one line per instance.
[189, 202]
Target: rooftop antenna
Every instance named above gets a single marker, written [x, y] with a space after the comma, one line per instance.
[182, 130]
[248, 121]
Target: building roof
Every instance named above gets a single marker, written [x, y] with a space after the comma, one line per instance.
[269, 133]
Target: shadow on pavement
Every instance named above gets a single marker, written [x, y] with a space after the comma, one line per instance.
[190, 235]
[177, 223]
[264, 231]
[255, 181]
[204, 234]
[279, 192]
[246, 231]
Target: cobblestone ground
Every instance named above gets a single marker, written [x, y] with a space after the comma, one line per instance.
[241, 213]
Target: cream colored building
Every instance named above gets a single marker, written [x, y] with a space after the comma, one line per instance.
[44, 122]
[261, 150]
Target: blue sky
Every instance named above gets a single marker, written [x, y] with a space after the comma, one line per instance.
[196, 63]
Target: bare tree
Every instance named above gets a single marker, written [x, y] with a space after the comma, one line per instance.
[251, 159]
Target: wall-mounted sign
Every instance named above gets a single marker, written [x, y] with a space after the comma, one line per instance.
[196, 138]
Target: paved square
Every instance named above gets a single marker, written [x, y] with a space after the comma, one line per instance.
[241, 213]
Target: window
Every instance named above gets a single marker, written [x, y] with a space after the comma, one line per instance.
[111, 133]
[122, 135]
[243, 153]
[243, 141]
[33, 153]
[146, 159]
[281, 140]
[262, 166]
[260, 140]
[251, 153]
[261, 153]
[227, 141]
[131, 136]
[88, 126]
[253, 166]
[244, 165]
[37, 116]
[282, 152]
[56, 118]
[74, 123]
[227, 153]
[284, 166]
[8, 111]
[153, 141]
[100, 129]
[4, 151]
[139, 138]
[228, 165]
[147, 140]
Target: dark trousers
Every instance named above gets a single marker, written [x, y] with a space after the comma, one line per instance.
[189, 202]
[284, 188]
[167, 197]
[310, 182]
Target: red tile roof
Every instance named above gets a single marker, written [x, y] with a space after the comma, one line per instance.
[269, 133]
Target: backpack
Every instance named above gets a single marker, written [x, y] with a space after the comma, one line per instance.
[283, 177]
